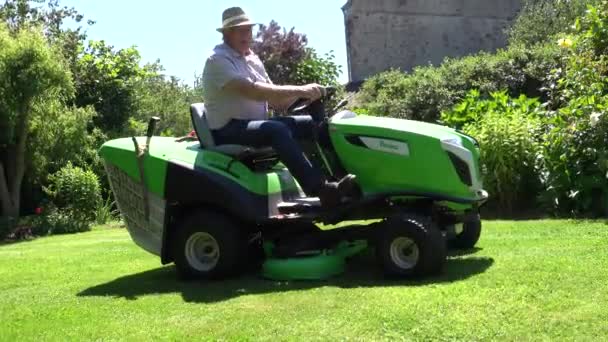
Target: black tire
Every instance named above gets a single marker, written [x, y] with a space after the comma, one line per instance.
[425, 248]
[203, 233]
[471, 231]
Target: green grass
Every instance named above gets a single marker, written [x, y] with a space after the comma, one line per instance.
[529, 280]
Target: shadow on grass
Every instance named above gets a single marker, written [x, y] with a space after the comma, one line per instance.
[463, 252]
[360, 272]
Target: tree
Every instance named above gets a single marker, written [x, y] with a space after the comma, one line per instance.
[167, 98]
[288, 59]
[281, 52]
[60, 134]
[106, 79]
[317, 69]
[24, 13]
[30, 71]
[19, 13]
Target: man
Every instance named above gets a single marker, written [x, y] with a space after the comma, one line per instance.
[238, 92]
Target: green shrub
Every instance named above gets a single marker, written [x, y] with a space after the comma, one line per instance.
[541, 20]
[575, 146]
[576, 159]
[7, 224]
[585, 68]
[106, 211]
[594, 28]
[76, 196]
[508, 132]
[60, 134]
[59, 221]
[472, 108]
[427, 91]
[360, 111]
[583, 75]
[317, 69]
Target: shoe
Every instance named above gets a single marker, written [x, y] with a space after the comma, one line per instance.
[331, 194]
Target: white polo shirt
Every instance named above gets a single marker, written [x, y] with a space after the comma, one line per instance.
[226, 64]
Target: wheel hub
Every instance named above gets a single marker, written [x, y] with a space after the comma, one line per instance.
[459, 228]
[404, 252]
[202, 251]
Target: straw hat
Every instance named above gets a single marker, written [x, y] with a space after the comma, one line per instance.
[235, 16]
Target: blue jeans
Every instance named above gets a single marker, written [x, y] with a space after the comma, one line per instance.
[281, 133]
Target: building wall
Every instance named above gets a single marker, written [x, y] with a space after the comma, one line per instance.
[381, 34]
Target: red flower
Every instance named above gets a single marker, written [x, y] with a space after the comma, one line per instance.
[38, 211]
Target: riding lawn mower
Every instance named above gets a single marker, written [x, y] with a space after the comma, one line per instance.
[214, 209]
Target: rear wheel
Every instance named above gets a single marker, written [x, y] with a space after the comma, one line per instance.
[209, 245]
[408, 246]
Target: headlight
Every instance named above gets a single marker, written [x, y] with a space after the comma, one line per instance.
[452, 141]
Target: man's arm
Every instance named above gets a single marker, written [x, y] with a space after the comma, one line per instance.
[222, 73]
[276, 94]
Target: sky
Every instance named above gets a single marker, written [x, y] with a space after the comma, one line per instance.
[182, 33]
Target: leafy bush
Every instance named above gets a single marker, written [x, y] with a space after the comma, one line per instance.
[59, 135]
[508, 132]
[594, 28]
[583, 75]
[7, 224]
[317, 69]
[541, 20]
[585, 64]
[57, 221]
[166, 98]
[576, 144]
[427, 91]
[473, 108]
[575, 147]
[105, 211]
[76, 196]
[106, 79]
[576, 160]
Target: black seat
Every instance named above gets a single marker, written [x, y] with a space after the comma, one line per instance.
[203, 133]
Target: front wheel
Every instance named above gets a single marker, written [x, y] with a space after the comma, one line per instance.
[209, 245]
[468, 235]
[411, 247]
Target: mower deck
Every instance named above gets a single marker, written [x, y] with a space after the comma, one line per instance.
[312, 265]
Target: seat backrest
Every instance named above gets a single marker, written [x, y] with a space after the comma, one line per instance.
[201, 127]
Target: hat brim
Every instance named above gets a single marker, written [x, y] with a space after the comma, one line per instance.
[244, 23]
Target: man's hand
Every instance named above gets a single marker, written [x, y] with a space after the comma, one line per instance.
[280, 105]
[313, 91]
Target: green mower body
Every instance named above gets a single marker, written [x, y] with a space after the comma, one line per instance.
[407, 172]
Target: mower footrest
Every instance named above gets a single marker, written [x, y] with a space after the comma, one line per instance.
[299, 206]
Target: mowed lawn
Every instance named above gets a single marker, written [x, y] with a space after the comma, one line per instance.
[529, 280]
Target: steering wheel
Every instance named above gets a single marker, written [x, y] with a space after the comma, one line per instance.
[303, 103]
[298, 105]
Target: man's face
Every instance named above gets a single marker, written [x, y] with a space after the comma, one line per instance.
[240, 38]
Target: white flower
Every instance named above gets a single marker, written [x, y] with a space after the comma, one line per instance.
[594, 118]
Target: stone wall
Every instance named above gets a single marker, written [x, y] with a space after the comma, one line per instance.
[405, 33]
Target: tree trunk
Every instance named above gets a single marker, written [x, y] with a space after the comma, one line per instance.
[11, 179]
[8, 206]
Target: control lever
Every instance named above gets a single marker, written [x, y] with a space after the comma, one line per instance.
[140, 152]
[340, 104]
[151, 128]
